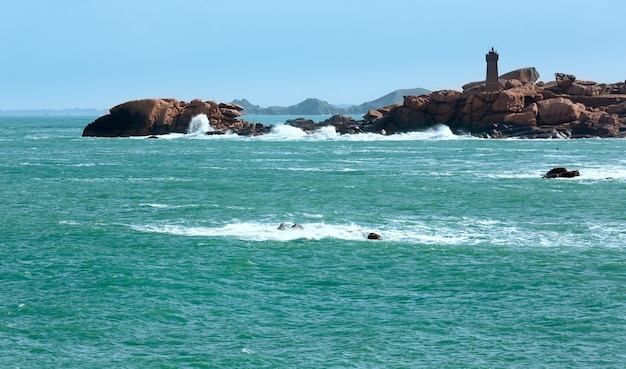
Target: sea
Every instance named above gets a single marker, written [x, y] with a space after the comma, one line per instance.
[166, 253]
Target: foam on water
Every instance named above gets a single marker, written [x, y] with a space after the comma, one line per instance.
[155, 205]
[284, 132]
[199, 125]
[255, 231]
[414, 234]
[601, 173]
[329, 133]
[443, 231]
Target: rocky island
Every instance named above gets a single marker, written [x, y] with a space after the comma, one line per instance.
[514, 104]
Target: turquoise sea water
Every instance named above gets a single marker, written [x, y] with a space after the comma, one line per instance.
[165, 253]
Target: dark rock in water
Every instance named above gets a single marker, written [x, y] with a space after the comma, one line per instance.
[304, 124]
[561, 173]
[283, 226]
[374, 236]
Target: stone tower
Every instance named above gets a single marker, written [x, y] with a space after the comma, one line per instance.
[491, 83]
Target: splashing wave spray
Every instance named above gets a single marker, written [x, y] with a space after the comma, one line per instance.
[199, 124]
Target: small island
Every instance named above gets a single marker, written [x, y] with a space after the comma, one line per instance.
[512, 105]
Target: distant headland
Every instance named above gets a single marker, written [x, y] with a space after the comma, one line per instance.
[514, 104]
[314, 106]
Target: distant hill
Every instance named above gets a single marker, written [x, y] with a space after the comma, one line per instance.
[306, 107]
[319, 107]
[395, 97]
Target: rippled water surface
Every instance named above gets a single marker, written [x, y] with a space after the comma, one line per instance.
[165, 252]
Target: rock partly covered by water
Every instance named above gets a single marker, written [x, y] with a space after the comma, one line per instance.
[149, 117]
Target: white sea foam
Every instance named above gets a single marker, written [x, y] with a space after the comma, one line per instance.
[586, 173]
[68, 222]
[328, 133]
[437, 232]
[253, 231]
[604, 172]
[158, 206]
[284, 132]
[199, 125]
[419, 233]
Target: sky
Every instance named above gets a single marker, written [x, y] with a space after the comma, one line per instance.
[99, 53]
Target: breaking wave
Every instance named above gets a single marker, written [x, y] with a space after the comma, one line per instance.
[328, 133]
[254, 231]
[459, 232]
[199, 125]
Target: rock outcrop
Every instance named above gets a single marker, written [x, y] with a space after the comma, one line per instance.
[524, 108]
[343, 124]
[149, 117]
[561, 173]
[374, 236]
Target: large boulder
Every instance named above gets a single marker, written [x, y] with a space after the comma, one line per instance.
[405, 120]
[373, 115]
[561, 173]
[581, 89]
[616, 108]
[523, 75]
[557, 111]
[509, 101]
[524, 119]
[597, 124]
[564, 80]
[476, 106]
[232, 106]
[442, 112]
[416, 102]
[136, 118]
[445, 96]
[508, 80]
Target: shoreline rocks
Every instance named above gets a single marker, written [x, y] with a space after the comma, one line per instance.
[521, 108]
[151, 117]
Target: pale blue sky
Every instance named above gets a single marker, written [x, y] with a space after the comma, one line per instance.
[96, 54]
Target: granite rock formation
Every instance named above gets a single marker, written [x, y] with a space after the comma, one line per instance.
[160, 116]
[522, 107]
[563, 108]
